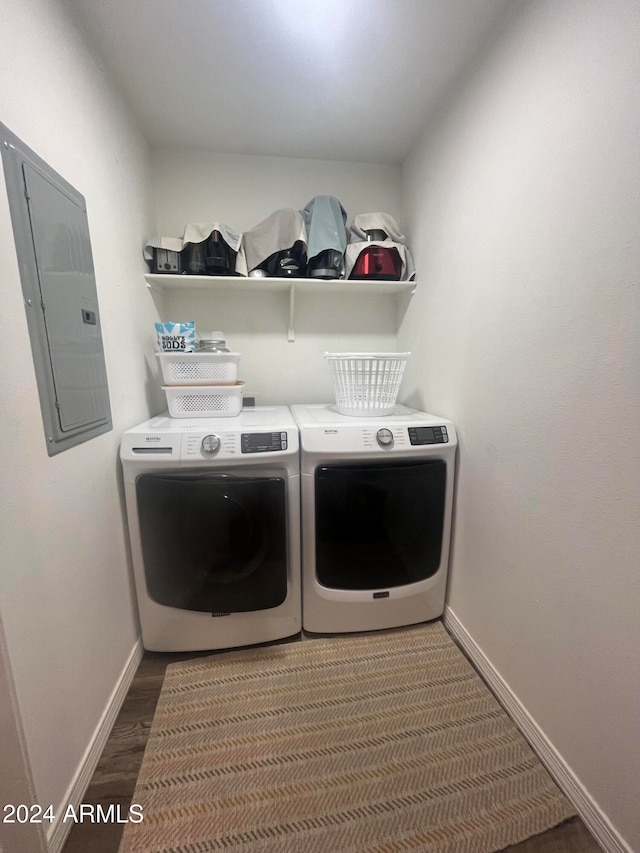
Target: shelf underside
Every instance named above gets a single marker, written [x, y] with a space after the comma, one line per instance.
[167, 283]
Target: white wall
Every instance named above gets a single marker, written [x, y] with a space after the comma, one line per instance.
[16, 783]
[65, 589]
[241, 190]
[524, 204]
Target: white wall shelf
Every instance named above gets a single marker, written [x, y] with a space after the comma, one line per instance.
[228, 284]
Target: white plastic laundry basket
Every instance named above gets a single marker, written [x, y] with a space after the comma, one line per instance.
[366, 384]
[212, 401]
[199, 368]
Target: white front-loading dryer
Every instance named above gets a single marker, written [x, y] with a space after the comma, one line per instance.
[214, 522]
[377, 499]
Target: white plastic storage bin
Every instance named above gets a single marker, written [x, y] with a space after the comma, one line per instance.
[199, 368]
[366, 384]
[212, 401]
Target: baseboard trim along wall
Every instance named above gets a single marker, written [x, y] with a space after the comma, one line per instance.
[57, 835]
[592, 815]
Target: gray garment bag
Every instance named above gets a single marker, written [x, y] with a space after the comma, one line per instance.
[325, 219]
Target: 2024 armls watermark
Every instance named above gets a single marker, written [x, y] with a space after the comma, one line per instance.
[83, 813]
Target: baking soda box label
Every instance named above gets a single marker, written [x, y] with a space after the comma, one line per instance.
[176, 337]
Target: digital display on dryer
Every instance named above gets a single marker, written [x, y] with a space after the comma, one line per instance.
[428, 435]
[263, 442]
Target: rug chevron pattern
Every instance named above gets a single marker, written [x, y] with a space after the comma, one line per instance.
[386, 742]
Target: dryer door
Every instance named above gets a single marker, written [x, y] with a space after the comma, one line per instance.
[213, 542]
[379, 526]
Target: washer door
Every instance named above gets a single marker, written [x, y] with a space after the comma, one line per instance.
[213, 542]
[379, 526]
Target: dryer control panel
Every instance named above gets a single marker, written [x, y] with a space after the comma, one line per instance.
[428, 435]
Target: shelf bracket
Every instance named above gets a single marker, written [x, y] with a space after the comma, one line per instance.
[291, 332]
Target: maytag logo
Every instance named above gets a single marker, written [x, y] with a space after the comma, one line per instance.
[331, 432]
[152, 438]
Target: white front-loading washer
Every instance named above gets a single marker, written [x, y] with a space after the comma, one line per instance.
[377, 500]
[214, 522]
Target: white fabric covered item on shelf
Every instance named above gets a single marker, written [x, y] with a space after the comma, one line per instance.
[358, 242]
[279, 231]
[169, 244]
[198, 232]
[364, 222]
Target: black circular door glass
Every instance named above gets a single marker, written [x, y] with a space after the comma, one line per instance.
[212, 542]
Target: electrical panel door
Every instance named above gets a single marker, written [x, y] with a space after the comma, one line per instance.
[56, 265]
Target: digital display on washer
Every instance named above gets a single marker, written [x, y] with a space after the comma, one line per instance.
[262, 442]
[428, 435]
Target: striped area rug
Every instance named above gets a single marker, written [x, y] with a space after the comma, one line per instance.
[387, 742]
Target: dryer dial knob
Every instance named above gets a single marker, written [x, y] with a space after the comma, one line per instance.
[384, 437]
[210, 445]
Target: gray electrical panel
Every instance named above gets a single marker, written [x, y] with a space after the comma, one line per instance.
[56, 269]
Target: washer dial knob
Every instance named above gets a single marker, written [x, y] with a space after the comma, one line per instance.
[210, 445]
[384, 437]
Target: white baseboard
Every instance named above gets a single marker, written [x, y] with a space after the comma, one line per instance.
[59, 829]
[592, 815]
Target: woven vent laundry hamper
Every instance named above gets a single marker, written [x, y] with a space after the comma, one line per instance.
[366, 384]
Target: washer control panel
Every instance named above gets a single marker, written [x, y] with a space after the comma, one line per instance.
[205, 446]
[428, 435]
[263, 442]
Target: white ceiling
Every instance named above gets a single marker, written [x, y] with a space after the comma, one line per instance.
[329, 79]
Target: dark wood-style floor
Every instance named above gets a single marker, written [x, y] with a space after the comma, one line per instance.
[115, 776]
